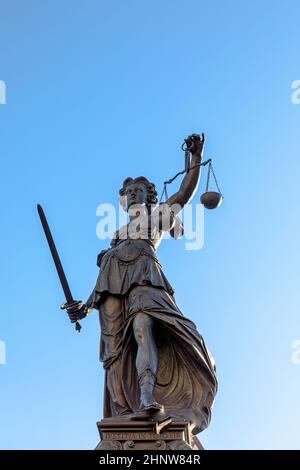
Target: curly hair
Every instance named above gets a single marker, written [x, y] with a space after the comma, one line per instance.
[150, 188]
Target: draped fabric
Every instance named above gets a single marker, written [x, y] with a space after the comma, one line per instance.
[186, 380]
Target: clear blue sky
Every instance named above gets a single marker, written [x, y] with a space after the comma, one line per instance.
[98, 91]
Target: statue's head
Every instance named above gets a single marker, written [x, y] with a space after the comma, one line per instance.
[137, 191]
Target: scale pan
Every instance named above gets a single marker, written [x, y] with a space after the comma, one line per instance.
[211, 199]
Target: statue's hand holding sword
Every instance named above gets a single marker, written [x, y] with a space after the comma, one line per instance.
[75, 309]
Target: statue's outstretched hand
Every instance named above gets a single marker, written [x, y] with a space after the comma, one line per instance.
[196, 143]
[76, 310]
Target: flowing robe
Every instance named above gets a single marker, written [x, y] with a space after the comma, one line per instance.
[186, 380]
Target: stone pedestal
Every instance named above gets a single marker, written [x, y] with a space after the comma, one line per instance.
[127, 434]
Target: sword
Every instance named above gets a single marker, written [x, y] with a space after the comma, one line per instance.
[57, 262]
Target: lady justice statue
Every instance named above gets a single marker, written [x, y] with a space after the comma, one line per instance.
[156, 362]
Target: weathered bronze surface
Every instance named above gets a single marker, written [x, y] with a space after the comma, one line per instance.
[157, 366]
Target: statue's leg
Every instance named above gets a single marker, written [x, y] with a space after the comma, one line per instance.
[111, 321]
[146, 360]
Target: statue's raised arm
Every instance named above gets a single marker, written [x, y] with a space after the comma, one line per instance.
[191, 180]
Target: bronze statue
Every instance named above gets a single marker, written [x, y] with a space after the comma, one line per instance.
[156, 362]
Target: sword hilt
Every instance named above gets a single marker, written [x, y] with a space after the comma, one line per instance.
[77, 324]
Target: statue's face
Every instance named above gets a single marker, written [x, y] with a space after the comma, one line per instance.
[135, 194]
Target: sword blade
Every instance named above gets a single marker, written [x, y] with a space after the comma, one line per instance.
[55, 256]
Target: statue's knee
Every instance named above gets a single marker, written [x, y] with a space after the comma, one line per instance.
[141, 325]
[112, 304]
